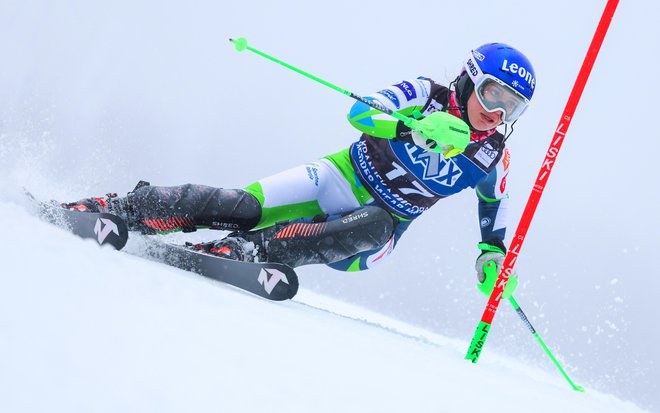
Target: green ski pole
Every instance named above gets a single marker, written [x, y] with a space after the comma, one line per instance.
[538, 338]
[458, 145]
[490, 269]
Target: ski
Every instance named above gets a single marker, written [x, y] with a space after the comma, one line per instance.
[272, 281]
[104, 228]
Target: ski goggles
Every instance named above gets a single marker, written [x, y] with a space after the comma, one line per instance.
[494, 95]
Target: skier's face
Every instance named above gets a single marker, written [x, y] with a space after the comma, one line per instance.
[480, 118]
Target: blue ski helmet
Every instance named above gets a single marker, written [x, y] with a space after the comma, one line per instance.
[497, 65]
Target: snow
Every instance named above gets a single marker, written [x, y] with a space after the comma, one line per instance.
[86, 329]
[98, 96]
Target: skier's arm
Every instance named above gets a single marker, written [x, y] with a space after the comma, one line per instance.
[493, 201]
[404, 97]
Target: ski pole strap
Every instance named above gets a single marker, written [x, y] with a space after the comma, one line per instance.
[486, 247]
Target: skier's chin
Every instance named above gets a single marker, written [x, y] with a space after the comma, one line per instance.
[481, 127]
[484, 123]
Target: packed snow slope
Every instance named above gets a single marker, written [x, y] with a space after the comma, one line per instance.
[85, 329]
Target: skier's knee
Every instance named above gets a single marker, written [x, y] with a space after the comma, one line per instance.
[231, 209]
[381, 235]
[368, 228]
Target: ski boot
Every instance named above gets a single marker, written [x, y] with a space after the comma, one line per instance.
[94, 204]
[112, 204]
[233, 247]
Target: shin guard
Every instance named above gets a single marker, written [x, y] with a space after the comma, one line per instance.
[297, 244]
[186, 207]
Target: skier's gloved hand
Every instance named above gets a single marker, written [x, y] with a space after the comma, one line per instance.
[447, 133]
[488, 267]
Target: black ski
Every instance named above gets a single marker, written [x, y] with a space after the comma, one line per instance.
[273, 281]
[106, 229]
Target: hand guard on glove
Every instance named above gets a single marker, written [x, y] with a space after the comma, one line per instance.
[488, 267]
[441, 132]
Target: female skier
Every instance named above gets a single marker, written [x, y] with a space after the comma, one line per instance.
[349, 209]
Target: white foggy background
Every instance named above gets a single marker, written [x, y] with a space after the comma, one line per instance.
[96, 96]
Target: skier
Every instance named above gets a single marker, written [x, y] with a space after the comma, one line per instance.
[349, 209]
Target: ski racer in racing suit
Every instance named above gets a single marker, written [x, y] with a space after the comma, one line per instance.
[350, 209]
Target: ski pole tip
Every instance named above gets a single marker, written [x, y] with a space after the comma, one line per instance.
[240, 44]
[580, 389]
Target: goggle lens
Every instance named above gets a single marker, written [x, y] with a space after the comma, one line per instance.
[494, 95]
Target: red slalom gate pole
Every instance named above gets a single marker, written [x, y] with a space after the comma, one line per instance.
[480, 335]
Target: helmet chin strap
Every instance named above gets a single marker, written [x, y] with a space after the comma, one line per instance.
[508, 129]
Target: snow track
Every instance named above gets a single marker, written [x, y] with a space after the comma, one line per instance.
[85, 329]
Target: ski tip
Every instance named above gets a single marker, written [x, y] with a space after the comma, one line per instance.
[278, 282]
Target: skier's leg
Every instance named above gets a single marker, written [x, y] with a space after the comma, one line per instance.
[301, 192]
[303, 243]
[193, 206]
[186, 207]
[327, 242]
